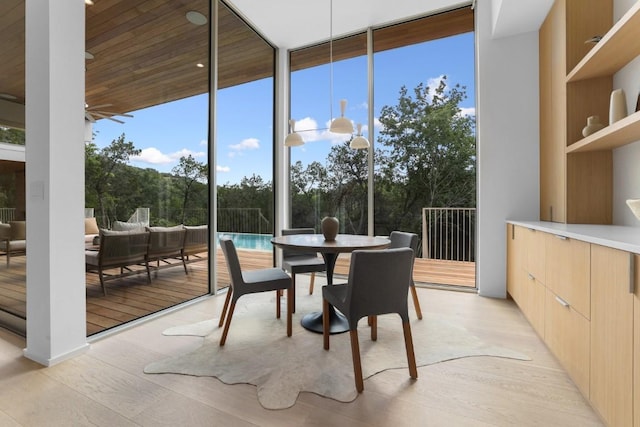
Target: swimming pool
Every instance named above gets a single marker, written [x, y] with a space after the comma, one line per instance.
[260, 242]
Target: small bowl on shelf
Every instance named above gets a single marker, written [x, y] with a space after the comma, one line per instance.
[634, 205]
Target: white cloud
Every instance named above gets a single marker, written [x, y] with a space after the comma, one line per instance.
[224, 169]
[204, 143]
[154, 156]
[246, 144]
[468, 111]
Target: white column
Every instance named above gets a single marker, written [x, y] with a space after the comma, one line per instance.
[508, 144]
[55, 37]
[282, 158]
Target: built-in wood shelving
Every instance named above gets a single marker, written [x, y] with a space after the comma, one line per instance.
[618, 47]
[622, 132]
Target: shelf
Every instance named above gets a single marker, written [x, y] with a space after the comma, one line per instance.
[619, 46]
[622, 132]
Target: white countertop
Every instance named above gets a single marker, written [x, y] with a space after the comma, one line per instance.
[615, 236]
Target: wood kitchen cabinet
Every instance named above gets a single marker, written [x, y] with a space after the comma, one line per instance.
[526, 273]
[612, 332]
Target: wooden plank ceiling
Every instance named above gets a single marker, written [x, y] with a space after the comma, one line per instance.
[145, 52]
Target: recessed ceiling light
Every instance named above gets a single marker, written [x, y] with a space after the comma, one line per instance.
[88, 2]
[196, 18]
[200, 65]
[88, 55]
[7, 96]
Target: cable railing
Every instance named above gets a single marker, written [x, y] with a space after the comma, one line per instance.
[449, 233]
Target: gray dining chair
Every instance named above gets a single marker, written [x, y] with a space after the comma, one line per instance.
[378, 283]
[249, 282]
[296, 262]
[401, 239]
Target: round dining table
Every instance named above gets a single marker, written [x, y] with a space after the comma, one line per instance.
[330, 250]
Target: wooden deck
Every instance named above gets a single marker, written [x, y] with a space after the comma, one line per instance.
[132, 297]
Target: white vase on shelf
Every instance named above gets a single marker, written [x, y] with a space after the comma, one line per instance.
[593, 125]
[617, 106]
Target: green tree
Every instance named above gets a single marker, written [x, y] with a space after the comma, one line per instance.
[12, 136]
[101, 168]
[190, 172]
[430, 153]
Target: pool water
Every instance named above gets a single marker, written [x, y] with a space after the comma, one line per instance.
[260, 242]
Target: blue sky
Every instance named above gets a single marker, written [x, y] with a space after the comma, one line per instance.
[245, 129]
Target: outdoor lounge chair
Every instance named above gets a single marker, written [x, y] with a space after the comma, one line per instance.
[118, 250]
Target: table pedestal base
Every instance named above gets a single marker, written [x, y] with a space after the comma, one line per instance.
[337, 322]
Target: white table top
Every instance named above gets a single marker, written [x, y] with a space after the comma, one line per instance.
[342, 243]
[615, 236]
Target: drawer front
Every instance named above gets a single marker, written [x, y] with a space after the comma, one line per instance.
[568, 273]
[567, 335]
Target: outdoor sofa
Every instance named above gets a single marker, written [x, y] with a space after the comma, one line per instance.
[13, 239]
[134, 250]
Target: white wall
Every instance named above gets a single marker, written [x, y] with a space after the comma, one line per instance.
[508, 143]
[626, 160]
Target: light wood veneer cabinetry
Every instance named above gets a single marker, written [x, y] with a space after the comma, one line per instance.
[612, 332]
[576, 80]
[526, 274]
[586, 308]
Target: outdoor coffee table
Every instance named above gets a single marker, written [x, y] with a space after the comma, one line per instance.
[344, 243]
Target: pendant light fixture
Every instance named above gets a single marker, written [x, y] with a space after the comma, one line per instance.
[293, 139]
[359, 142]
[341, 124]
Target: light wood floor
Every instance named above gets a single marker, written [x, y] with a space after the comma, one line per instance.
[106, 385]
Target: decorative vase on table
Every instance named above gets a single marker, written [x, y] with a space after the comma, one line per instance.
[593, 125]
[329, 226]
[617, 106]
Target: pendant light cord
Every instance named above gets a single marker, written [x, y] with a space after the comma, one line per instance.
[330, 60]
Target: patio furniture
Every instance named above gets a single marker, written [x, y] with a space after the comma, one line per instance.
[378, 283]
[401, 239]
[118, 250]
[296, 262]
[13, 239]
[196, 242]
[166, 243]
[249, 282]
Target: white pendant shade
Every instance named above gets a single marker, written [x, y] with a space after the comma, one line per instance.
[341, 124]
[359, 142]
[293, 139]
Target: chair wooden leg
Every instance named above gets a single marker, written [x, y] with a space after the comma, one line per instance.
[408, 343]
[416, 303]
[325, 323]
[312, 282]
[293, 292]
[290, 299]
[223, 338]
[374, 328]
[355, 354]
[278, 295]
[225, 306]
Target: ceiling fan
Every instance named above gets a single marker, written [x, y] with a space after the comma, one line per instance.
[95, 112]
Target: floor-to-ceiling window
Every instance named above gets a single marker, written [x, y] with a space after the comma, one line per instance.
[422, 134]
[147, 116]
[328, 178]
[245, 143]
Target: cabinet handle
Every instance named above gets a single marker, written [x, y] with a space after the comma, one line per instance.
[550, 213]
[632, 273]
[562, 302]
[531, 276]
[561, 237]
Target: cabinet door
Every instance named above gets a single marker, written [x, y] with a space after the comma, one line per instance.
[568, 273]
[612, 301]
[515, 256]
[552, 39]
[566, 333]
